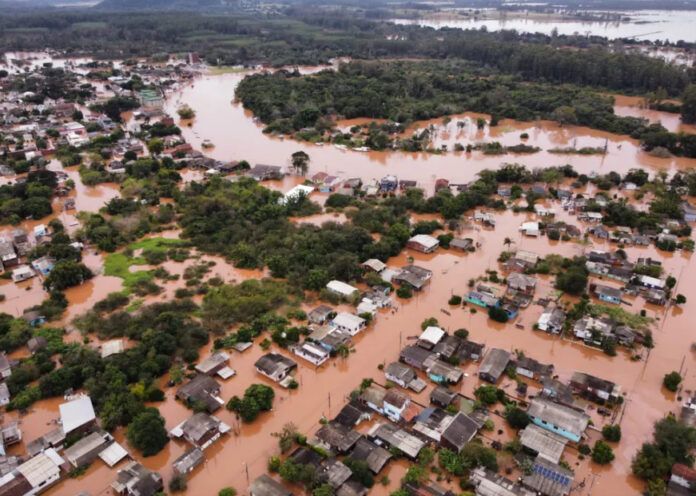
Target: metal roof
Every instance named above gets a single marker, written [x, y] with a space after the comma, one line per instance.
[76, 413]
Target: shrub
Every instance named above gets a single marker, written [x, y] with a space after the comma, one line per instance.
[404, 292]
[497, 314]
[602, 453]
[612, 433]
[671, 381]
[516, 417]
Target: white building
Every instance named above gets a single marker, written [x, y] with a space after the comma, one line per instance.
[432, 335]
[341, 288]
[312, 353]
[530, 229]
[296, 192]
[33, 476]
[352, 324]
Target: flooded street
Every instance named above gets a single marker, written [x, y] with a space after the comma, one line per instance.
[242, 455]
[323, 391]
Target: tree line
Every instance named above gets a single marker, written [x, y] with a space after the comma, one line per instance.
[407, 91]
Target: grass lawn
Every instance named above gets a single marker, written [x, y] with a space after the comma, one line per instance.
[118, 264]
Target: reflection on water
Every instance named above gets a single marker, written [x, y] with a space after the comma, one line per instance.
[650, 25]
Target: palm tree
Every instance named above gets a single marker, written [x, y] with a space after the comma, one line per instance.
[300, 162]
[507, 242]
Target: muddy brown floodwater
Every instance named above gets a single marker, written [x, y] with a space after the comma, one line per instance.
[241, 456]
[323, 391]
[237, 135]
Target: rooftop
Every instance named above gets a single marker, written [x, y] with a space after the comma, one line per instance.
[550, 446]
[563, 417]
[265, 486]
[76, 413]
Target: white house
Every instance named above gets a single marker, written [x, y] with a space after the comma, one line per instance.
[341, 288]
[312, 353]
[22, 273]
[651, 282]
[296, 192]
[432, 335]
[530, 229]
[423, 243]
[352, 324]
[366, 306]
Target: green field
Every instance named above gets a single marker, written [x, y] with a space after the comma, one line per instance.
[118, 264]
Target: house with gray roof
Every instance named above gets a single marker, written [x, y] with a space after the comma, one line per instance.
[565, 421]
[494, 364]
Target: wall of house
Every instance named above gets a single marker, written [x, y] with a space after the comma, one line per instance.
[553, 428]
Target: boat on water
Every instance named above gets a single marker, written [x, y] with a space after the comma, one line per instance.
[207, 144]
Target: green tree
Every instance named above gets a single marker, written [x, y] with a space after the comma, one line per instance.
[67, 273]
[602, 453]
[497, 314]
[688, 107]
[155, 146]
[573, 280]
[323, 490]
[415, 474]
[300, 162]
[612, 433]
[146, 432]
[227, 491]
[672, 380]
[516, 417]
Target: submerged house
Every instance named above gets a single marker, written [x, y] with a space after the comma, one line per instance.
[320, 315]
[348, 322]
[275, 366]
[200, 430]
[459, 432]
[423, 243]
[532, 369]
[265, 486]
[34, 475]
[494, 364]
[548, 478]
[337, 437]
[341, 288]
[543, 443]
[552, 320]
[607, 294]
[77, 415]
[314, 354]
[594, 388]
[216, 364]
[562, 420]
[482, 299]
[413, 275]
[87, 449]
[375, 456]
[203, 390]
[394, 437]
[136, 480]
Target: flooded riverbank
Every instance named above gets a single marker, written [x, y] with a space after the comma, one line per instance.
[237, 135]
[649, 25]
